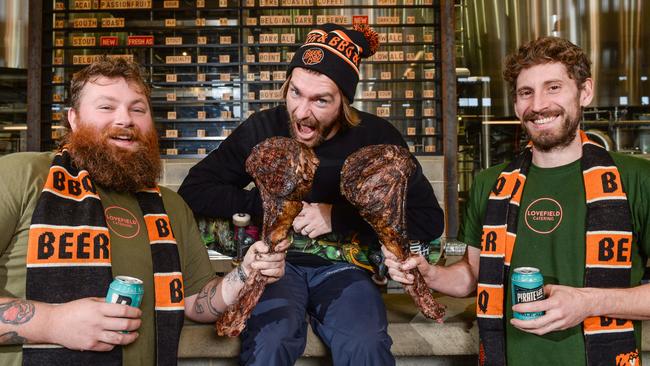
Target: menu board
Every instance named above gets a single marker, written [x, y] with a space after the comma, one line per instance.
[213, 63]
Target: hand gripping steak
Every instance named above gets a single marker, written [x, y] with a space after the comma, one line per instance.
[283, 170]
[374, 179]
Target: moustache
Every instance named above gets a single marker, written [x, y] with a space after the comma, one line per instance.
[307, 121]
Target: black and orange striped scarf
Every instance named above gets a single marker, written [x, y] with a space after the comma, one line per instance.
[69, 258]
[608, 225]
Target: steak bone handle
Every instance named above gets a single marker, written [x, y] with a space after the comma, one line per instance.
[283, 170]
[375, 179]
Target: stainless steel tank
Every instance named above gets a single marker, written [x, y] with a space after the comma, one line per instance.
[13, 33]
[615, 34]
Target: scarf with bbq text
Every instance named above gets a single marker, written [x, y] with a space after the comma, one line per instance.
[69, 258]
[608, 255]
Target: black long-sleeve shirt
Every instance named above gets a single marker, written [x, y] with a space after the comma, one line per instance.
[215, 186]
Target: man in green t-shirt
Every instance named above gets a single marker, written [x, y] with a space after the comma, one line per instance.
[566, 206]
[70, 221]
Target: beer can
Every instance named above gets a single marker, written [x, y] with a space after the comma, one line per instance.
[527, 285]
[125, 290]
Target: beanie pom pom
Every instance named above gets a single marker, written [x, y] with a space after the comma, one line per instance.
[371, 36]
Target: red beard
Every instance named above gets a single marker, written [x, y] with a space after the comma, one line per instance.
[114, 167]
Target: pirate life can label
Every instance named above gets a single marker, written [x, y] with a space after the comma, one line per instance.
[125, 290]
[527, 285]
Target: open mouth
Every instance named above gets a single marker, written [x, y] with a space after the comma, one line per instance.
[305, 132]
[122, 138]
[126, 140]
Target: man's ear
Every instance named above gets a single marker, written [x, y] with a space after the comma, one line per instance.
[514, 106]
[72, 118]
[587, 92]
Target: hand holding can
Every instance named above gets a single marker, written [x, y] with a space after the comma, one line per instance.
[527, 285]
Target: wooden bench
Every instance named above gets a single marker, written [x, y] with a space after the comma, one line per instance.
[416, 340]
[413, 335]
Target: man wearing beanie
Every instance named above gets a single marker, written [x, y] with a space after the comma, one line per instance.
[343, 305]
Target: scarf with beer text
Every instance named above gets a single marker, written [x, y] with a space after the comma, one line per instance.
[608, 232]
[69, 258]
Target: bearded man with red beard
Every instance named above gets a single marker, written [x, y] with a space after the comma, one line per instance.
[341, 302]
[74, 219]
[565, 206]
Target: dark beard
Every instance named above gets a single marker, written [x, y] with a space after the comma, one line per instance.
[546, 142]
[322, 131]
[113, 167]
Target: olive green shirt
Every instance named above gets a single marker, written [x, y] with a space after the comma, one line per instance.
[22, 177]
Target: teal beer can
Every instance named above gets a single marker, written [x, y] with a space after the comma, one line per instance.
[125, 290]
[527, 286]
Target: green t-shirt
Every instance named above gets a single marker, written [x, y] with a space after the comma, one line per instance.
[551, 237]
[22, 177]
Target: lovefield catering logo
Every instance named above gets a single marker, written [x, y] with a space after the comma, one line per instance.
[313, 56]
[543, 215]
[122, 222]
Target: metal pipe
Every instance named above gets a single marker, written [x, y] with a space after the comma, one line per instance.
[449, 121]
[38, 133]
[13, 32]
[612, 33]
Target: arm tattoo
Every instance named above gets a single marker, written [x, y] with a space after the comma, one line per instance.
[232, 276]
[16, 312]
[12, 338]
[205, 296]
[213, 293]
[198, 306]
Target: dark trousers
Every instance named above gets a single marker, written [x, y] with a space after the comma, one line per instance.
[345, 309]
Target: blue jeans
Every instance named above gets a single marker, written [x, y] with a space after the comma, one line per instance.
[345, 310]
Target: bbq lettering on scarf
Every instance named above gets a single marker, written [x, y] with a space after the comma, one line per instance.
[602, 324]
[159, 228]
[603, 183]
[63, 184]
[489, 300]
[508, 186]
[168, 285]
[609, 182]
[169, 291]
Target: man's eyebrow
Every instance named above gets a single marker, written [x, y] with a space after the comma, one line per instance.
[106, 97]
[315, 96]
[324, 95]
[113, 99]
[546, 82]
[553, 81]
